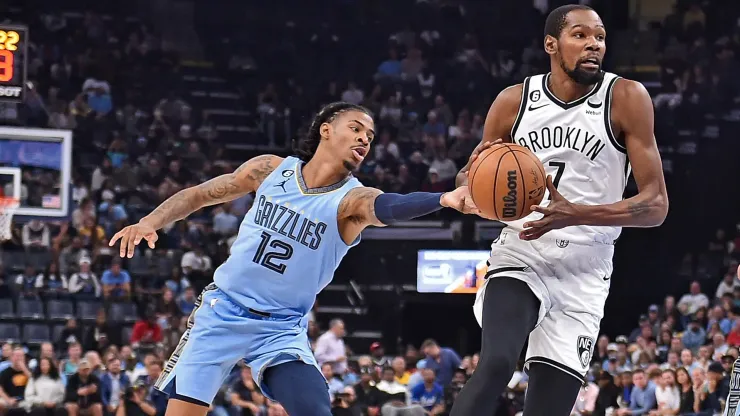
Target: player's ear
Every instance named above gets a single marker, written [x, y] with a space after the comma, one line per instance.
[324, 130]
[551, 45]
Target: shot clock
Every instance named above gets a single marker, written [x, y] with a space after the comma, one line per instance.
[13, 61]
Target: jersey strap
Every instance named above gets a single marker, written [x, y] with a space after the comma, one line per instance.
[522, 106]
[608, 116]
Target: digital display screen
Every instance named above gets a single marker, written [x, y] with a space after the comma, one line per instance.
[13, 62]
[451, 271]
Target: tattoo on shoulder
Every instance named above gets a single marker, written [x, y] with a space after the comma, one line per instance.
[261, 168]
[358, 197]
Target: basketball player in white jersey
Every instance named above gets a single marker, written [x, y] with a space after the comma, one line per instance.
[549, 273]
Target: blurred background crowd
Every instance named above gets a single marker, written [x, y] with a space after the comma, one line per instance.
[179, 93]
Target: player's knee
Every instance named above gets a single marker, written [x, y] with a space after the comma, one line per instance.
[496, 364]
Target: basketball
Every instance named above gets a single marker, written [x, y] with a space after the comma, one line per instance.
[505, 181]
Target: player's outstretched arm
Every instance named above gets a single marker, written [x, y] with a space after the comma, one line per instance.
[365, 206]
[245, 179]
[497, 128]
[632, 114]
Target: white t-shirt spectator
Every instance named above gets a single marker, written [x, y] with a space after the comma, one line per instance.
[354, 95]
[694, 302]
[36, 234]
[328, 349]
[92, 83]
[667, 398]
[193, 261]
[726, 288]
[445, 168]
[84, 283]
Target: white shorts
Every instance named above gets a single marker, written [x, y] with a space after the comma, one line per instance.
[572, 283]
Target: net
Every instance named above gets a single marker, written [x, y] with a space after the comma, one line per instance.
[8, 206]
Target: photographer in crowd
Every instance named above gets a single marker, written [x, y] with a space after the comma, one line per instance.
[133, 402]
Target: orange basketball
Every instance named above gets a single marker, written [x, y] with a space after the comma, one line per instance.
[505, 181]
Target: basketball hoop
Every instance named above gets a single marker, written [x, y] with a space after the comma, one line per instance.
[8, 206]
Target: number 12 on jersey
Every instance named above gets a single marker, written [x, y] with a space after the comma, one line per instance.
[560, 166]
[267, 258]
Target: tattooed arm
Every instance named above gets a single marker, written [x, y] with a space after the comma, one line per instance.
[247, 178]
[631, 118]
[364, 206]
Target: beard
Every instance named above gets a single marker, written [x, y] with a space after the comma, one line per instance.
[581, 76]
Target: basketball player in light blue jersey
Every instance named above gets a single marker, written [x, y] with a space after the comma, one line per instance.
[308, 211]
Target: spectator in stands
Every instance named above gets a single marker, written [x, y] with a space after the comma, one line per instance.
[685, 390]
[429, 394]
[177, 283]
[694, 336]
[13, 381]
[335, 385]
[154, 396]
[44, 392]
[443, 361]
[134, 402]
[103, 334]
[146, 331]
[585, 404]
[608, 394]
[85, 210]
[96, 365]
[26, 283]
[687, 361]
[90, 232]
[453, 389]
[246, 397]
[116, 282]
[36, 236]
[727, 285]
[642, 397]
[84, 284]
[330, 347]
[713, 391]
[377, 353]
[346, 404]
[692, 301]
[70, 258]
[225, 223]
[51, 282]
[186, 302]
[5, 289]
[667, 395]
[367, 395]
[69, 365]
[396, 396]
[399, 369]
[113, 384]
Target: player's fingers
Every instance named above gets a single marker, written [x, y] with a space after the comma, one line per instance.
[151, 239]
[132, 237]
[124, 242]
[540, 209]
[115, 238]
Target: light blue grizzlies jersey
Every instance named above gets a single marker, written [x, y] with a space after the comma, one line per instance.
[288, 245]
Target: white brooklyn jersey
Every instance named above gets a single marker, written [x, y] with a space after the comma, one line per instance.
[578, 149]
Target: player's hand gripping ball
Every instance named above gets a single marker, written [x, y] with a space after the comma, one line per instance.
[506, 180]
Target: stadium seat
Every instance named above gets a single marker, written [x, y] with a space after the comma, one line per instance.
[126, 334]
[56, 332]
[6, 309]
[122, 312]
[9, 332]
[60, 310]
[30, 309]
[39, 260]
[36, 334]
[87, 311]
[138, 265]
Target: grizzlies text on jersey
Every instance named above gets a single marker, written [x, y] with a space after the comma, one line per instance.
[288, 244]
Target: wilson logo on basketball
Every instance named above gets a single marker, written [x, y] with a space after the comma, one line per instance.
[510, 210]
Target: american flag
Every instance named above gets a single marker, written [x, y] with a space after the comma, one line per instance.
[51, 201]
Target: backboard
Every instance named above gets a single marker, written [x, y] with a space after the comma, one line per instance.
[44, 158]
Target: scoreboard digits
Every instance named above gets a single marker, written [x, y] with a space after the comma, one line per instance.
[13, 62]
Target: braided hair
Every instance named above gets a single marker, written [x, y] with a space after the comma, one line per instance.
[305, 148]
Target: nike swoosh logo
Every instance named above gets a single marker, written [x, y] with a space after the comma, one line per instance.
[537, 108]
[606, 278]
[593, 105]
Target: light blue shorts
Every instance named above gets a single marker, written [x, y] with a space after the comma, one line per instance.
[219, 334]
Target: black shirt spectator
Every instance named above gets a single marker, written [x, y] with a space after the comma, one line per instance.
[83, 389]
[246, 396]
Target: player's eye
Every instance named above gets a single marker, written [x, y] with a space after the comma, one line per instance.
[600, 37]
[355, 129]
[578, 35]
